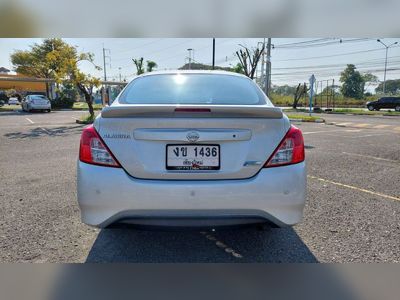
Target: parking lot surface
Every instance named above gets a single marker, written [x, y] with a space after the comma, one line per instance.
[352, 211]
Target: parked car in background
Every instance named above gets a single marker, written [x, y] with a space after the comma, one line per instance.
[385, 102]
[13, 101]
[191, 148]
[36, 102]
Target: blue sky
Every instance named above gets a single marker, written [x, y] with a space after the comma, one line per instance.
[293, 60]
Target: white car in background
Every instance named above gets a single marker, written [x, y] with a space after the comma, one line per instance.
[36, 102]
[189, 148]
[13, 101]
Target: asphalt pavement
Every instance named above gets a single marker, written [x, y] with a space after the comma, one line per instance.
[352, 211]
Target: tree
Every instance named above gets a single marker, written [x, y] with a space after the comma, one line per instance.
[301, 91]
[352, 83]
[56, 59]
[392, 87]
[151, 65]
[85, 83]
[139, 65]
[369, 79]
[249, 60]
[285, 90]
[238, 68]
[44, 60]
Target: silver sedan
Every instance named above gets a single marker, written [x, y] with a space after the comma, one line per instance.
[36, 102]
[191, 148]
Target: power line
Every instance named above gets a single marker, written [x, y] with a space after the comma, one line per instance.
[378, 60]
[333, 55]
[303, 42]
[140, 46]
[326, 43]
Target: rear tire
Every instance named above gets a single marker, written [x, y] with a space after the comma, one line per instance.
[49, 110]
[370, 108]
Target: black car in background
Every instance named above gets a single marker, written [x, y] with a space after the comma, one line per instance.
[385, 102]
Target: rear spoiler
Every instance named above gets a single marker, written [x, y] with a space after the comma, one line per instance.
[191, 111]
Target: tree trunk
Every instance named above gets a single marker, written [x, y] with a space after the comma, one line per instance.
[88, 99]
[296, 96]
[47, 90]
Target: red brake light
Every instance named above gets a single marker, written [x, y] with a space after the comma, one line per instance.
[193, 110]
[94, 151]
[290, 150]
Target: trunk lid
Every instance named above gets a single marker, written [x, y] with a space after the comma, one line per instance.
[138, 135]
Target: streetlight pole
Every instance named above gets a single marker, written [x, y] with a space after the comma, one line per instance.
[190, 57]
[386, 58]
[213, 55]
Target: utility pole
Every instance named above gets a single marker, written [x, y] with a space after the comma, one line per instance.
[312, 81]
[119, 74]
[386, 58]
[190, 57]
[263, 75]
[268, 69]
[105, 88]
[213, 55]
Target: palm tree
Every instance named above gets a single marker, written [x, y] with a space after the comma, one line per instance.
[151, 65]
[139, 65]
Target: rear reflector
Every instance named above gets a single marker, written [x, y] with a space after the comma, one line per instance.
[193, 110]
[94, 151]
[290, 150]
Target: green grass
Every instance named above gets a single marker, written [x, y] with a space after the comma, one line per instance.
[7, 107]
[340, 101]
[84, 106]
[88, 118]
[303, 118]
[364, 112]
[355, 111]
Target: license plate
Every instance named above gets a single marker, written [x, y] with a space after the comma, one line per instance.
[193, 157]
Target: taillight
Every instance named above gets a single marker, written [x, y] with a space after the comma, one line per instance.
[290, 150]
[93, 150]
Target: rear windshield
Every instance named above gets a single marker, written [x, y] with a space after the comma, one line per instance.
[192, 89]
[38, 97]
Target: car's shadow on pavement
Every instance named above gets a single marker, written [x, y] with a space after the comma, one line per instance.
[38, 132]
[127, 244]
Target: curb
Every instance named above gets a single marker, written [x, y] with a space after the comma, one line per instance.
[84, 122]
[307, 121]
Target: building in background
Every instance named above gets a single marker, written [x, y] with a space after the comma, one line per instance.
[21, 87]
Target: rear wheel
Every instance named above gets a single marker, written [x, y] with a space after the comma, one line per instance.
[49, 110]
[370, 108]
[397, 108]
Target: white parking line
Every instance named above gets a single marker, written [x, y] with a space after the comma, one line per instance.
[369, 135]
[372, 157]
[30, 121]
[361, 125]
[343, 124]
[381, 126]
[327, 131]
[355, 188]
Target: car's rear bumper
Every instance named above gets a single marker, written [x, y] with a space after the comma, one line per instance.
[107, 195]
[38, 106]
